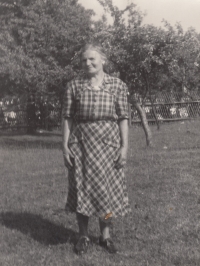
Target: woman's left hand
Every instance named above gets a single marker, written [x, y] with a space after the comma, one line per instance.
[120, 160]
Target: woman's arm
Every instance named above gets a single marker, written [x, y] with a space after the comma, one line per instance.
[66, 129]
[123, 128]
[122, 154]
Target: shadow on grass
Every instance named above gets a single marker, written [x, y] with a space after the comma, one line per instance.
[49, 140]
[30, 144]
[38, 134]
[38, 228]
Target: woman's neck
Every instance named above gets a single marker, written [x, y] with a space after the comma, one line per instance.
[97, 79]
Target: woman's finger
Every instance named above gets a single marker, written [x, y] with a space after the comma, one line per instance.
[68, 162]
[120, 163]
[71, 154]
[117, 157]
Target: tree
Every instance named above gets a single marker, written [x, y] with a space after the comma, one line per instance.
[181, 54]
[39, 40]
[118, 42]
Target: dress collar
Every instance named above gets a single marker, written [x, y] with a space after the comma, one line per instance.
[106, 80]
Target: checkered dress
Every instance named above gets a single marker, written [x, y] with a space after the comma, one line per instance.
[96, 187]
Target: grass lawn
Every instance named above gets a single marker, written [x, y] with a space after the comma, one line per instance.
[164, 191]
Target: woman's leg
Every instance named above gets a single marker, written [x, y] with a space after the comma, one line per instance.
[104, 229]
[83, 242]
[82, 224]
[105, 240]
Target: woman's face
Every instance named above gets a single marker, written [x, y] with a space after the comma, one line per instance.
[92, 62]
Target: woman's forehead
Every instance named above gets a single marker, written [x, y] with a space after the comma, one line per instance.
[90, 53]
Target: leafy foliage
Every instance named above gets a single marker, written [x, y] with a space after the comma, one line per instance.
[148, 58]
[40, 42]
[182, 51]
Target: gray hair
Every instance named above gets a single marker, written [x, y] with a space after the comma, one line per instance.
[94, 47]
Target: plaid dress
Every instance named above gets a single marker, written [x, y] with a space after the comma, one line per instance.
[96, 187]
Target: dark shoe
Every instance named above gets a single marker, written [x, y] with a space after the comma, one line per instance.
[82, 245]
[108, 245]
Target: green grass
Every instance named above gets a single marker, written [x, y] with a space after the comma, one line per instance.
[164, 191]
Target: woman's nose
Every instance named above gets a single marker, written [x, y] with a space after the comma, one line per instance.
[87, 62]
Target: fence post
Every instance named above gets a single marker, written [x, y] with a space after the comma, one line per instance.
[31, 117]
[129, 114]
[46, 116]
[155, 116]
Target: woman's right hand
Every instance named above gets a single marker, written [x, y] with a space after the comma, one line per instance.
[68, 158]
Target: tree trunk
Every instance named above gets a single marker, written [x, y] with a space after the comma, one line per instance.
[31, 116]
[155, 116]
[145, 125]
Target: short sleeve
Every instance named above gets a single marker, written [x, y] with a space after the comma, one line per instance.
[122, 102]
[68, 103]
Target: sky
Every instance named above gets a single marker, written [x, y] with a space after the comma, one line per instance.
[187, 12]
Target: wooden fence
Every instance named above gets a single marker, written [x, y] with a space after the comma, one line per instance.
[169, 107]
[20, 114]
[29, 115]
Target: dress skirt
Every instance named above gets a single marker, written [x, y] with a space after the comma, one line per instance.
[96, 187]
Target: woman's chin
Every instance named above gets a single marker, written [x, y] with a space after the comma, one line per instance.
[90, 71]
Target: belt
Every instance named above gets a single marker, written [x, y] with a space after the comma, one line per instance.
[94, 121]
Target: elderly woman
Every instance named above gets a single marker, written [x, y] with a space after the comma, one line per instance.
[95, 143]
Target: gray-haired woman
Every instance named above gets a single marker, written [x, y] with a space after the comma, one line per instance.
[95, 143]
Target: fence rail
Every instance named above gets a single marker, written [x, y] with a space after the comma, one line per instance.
[32, 115]
[168, 112]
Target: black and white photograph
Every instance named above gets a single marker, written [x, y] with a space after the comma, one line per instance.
[100, 132]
